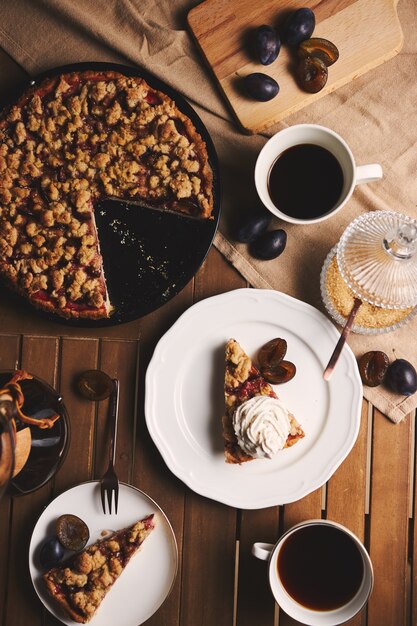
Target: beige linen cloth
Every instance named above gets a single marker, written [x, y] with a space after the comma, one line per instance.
[376, 114]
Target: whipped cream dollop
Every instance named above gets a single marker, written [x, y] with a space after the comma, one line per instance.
[261, 426]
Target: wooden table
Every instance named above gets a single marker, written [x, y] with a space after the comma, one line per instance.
[219, 583]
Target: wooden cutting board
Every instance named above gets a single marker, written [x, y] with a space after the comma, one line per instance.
[366, 32]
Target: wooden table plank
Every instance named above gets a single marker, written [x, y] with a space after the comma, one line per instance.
[10, 352]
[256, 604]
[308, 507]
[119, 359]
[77, 355]
[346, 493]
[209, 554]
[346, 490]
[389, 520]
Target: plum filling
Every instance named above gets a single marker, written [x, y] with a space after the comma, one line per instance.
[152, 98]
[82, 305]
[249, 388]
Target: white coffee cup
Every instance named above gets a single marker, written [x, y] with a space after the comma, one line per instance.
[296, 610]
[321, 136]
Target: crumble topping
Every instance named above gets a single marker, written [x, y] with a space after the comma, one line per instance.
[80, 584]
[65, 144]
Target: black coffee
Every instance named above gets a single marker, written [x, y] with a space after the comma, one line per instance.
[320, 567]
[305, 181]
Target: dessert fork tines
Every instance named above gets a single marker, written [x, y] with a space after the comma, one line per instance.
[110, 482]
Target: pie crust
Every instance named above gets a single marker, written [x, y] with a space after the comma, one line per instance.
[70, 142]
[242, 382]
[81, 583]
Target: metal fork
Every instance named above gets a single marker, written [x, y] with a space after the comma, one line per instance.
[110, 482]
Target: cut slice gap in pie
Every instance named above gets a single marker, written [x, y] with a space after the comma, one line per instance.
[244, 382]
[80, 584]
[144, 263]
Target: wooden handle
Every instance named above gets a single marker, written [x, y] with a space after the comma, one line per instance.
[342, 340]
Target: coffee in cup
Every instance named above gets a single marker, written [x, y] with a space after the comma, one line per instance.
[319, 572]
[306, 173]
[305, 181]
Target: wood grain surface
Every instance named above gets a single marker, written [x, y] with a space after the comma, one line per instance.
[219, 583]
[366, 32]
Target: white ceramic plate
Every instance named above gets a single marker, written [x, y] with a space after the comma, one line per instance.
[184, 398]
[149, 576]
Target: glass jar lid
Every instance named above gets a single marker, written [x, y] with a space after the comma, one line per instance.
[377, 258]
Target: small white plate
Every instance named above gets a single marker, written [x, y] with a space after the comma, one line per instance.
[149, 576]
[184, 398]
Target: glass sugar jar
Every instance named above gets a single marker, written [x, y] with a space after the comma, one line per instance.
[375, 260]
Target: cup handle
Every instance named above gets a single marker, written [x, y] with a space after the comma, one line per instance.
[262, 550]
[368, 173]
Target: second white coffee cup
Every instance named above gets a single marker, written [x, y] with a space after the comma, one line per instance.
[311, 134]
[308, 567]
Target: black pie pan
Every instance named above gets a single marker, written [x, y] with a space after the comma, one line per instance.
[48, 445]
[149, 255]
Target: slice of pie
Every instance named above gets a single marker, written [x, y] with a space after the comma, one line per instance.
[80, 584]
[65, 145]
[243, 381]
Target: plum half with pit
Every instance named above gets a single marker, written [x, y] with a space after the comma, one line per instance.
[373, 366]
[271, 362]
[72, 532]
[312, 74]
[319, 48]
[278, 374]
[272, 352]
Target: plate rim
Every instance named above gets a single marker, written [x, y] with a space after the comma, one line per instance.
[235, 500]
[91, 482]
